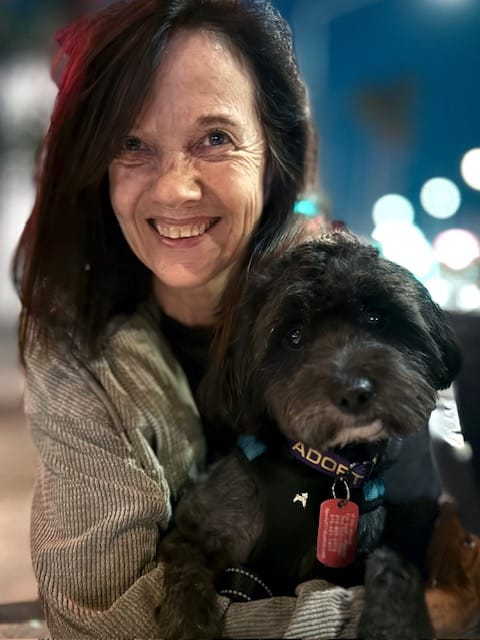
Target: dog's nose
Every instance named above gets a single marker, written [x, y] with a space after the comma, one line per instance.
[355, 395]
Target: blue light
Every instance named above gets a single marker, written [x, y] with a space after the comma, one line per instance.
[306, 208]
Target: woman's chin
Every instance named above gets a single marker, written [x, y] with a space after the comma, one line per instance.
[178, 278]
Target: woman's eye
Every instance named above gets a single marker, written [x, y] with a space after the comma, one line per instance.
[132, 144]
[217, 138]
[294, 338]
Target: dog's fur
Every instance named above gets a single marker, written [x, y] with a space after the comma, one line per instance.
[332, 346]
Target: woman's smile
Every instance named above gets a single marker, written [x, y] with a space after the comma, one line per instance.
[177, 233]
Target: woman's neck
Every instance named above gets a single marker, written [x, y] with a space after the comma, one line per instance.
[192, 307]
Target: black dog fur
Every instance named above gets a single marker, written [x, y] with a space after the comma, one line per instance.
[338, 348]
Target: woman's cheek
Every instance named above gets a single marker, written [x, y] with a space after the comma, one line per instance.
[127, 187]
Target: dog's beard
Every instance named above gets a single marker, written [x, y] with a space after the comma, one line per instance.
[322, 425]
[305, 404]
[368, 433]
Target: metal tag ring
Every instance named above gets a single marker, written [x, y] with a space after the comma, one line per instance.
[346, 487]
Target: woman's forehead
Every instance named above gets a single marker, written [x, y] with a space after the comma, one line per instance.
[200, 78]
[203, 59]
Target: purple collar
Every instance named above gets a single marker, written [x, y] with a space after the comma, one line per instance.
[332, 464]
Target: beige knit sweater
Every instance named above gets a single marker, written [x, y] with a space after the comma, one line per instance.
[118, 438]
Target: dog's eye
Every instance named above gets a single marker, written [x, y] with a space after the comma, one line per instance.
[373, 317]
[294, 338]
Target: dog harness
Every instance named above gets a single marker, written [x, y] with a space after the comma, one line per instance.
[293, 480]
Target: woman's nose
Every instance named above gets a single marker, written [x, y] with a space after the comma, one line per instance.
[176, 183]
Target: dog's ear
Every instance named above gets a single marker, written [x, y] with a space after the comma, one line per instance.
[228, 394]
[443, 335]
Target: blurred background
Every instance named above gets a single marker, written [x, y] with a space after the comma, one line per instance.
[395, 93]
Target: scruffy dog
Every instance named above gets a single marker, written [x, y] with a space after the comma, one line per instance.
[336, 354]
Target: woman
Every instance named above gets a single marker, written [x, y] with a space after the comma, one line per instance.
[179, 143]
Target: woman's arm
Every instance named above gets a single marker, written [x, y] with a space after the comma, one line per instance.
[96, 522]
[111, 452]
[320, 610]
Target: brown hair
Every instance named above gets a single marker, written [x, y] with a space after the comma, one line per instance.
[73, 268]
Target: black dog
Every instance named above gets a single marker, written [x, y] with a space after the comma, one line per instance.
[336, 355]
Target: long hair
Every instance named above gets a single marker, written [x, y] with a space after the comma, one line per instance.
[73, 269]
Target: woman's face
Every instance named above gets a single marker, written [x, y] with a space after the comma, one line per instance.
[187, 186]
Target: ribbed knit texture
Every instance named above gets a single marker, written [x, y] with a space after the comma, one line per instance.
[117, 439]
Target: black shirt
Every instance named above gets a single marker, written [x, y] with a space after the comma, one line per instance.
[191, 347]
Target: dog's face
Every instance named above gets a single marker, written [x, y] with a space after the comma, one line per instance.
[336, 345]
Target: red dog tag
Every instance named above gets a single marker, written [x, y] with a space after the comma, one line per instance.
[337, 533]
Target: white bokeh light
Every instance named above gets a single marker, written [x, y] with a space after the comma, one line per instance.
[456, 248]
[392, 207]
[470, 168]
[468, 297]
[17, 194]
[405, 244]
[440, 197]
[28, 91]
[439, 289]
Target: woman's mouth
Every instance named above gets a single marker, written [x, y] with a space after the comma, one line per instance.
[181, 230]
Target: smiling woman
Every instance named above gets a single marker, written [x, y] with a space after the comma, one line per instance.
[179, 143]
[180, 140]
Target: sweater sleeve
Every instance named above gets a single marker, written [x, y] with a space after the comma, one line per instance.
[96, 522]
[116, 441]
[320, 610]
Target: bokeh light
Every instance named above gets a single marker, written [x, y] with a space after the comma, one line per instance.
[470, 168]
[456, 248]
[391, 207]
[405, 244]
[468, 297]
[440, 290]
[306, 207]
[28, 92]
[440, 197]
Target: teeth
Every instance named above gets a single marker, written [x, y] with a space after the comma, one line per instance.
[187, 231]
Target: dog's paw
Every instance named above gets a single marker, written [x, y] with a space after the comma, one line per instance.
[199, 622]
[394, 600]
[388, 575]
[189, 610]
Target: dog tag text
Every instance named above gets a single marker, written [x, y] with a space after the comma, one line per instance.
[337, 533]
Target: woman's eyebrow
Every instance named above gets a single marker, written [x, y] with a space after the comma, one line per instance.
[217, 119]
